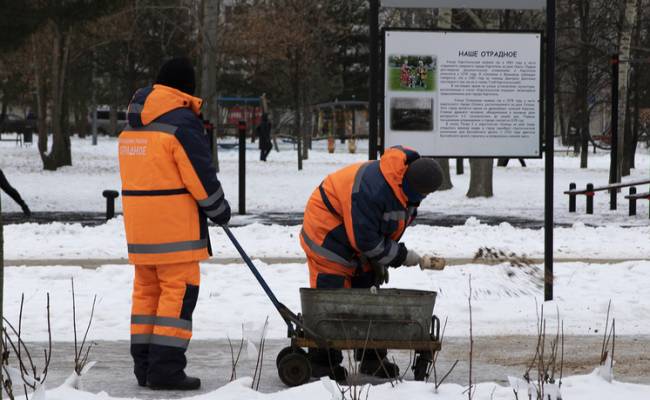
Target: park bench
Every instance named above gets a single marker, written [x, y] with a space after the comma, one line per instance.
[590, 191]
[13, 137]
[634, 196]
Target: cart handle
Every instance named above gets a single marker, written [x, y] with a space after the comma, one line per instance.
[287, 315]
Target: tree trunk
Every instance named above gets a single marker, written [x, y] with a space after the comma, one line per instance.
[305, 123]
[41, 102]
[444, 22]
[209, 66]
[295, 61]
[632, 110]
[584, 148]
[480, 177]
[60, 154]
[582, 84]
[627, 26]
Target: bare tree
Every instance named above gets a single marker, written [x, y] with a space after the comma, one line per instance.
[209, 28]
[629, 18]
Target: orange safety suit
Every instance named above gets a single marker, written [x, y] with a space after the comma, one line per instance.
[169, 187]
[356, 217]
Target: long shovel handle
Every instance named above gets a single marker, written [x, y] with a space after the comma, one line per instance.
[286, 314]
[253, 269]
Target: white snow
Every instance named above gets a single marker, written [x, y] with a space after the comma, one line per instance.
[278, 186]
[580, 387]
[230, 296]
[73, 241]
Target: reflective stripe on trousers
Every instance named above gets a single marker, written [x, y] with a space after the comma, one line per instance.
[326, 253]
[150, 338]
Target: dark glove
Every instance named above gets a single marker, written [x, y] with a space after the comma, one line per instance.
[223, 217]
[381, 273]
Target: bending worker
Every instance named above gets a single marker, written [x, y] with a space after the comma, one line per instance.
[352, 226]
[169, 187]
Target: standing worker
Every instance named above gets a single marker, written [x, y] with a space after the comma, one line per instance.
[169, 187]
[352, 226]
[264, 134]
[13, 193]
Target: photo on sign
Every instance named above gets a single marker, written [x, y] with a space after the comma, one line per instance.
[411, 114]
[414, 73]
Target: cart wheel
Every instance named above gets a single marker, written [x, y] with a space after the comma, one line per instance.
[420, 368]
[294, 369]
[288, 350]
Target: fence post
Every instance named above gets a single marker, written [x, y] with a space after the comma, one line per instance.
[572, 197]
[632, 201]
[590, 198]
[110, 196]
[612, 198]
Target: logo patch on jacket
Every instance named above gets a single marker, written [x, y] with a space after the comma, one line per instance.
[133, 147]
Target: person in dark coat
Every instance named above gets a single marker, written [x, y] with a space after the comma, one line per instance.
[264, 134]
[13, 193]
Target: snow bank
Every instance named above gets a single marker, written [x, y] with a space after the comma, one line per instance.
[230, 296]
[581, 387]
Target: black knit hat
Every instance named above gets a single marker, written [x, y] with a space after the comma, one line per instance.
[424, 175]
[178, 73]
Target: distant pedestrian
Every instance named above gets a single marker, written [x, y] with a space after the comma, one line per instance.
[13, 193]
[264, 134]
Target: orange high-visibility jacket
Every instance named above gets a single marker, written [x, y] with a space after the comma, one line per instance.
[360, 211]
[169, 184]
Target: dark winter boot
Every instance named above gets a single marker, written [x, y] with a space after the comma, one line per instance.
[189, 383]
[335, 372]
[327, 363]
[379, 368]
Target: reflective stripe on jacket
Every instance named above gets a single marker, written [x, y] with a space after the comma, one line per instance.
[169, 184]
[359, 212]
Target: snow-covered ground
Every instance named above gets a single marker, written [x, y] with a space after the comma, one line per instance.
[582, 387]
[230, 297]
[278, 186]
[73, 241]
[504, 299]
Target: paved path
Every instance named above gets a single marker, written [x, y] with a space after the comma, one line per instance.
[494, 359]
[290, 218]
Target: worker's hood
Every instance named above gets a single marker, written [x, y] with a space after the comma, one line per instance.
[393, 166]
[151, 102]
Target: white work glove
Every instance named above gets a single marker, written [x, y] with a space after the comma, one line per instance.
[412, 259]
[431, 262]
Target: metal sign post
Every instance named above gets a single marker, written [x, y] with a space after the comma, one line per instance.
[550, 150]
[373, 100]
[549, 95]
[242, 167]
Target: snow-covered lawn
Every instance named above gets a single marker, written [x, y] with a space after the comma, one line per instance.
[73, 241]
[230, 297]
[278, 186]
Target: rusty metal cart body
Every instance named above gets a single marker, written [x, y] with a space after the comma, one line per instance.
[350, 319]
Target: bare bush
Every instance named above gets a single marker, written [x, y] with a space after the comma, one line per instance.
[27, 375]
[81, 357]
